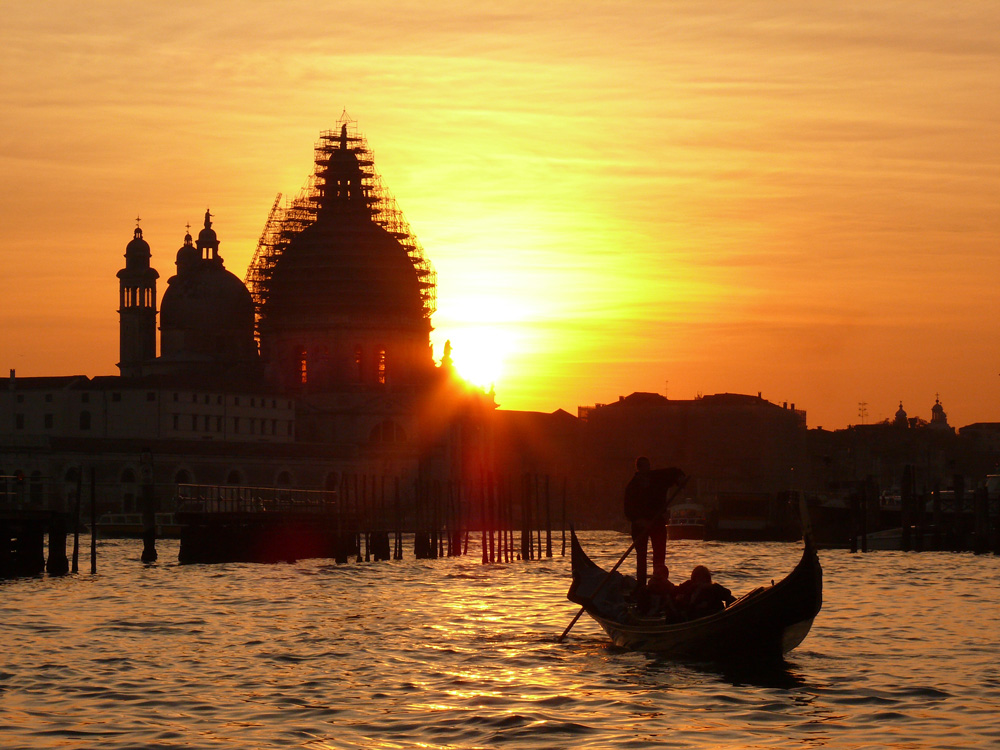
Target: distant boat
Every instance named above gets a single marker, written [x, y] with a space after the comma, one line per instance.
[687, 521]
[887, 539]
[762, 625]
[131, 526]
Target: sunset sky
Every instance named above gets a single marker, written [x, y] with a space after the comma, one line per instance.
[679, 197]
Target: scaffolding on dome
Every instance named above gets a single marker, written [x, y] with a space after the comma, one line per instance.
[288, 218]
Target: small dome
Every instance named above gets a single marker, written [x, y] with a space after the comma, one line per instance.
[206, 296]
[206, 312]
[137, 252]
[188, 256]
[207, 236]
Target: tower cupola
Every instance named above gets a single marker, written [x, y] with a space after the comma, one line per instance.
[136, 307]
[208, 241]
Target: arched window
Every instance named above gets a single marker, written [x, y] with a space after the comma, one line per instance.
[183, 476]
[380, 366]
[284, 479]
[234, 478]
[302, 365]
[84, 420]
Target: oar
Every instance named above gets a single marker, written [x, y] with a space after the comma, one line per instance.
[600, 586]
[621, 559]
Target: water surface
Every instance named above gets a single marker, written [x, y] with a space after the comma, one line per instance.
[450, 653]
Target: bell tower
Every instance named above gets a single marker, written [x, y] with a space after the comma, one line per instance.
[136, 307]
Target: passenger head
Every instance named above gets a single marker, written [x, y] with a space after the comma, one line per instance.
[642, 464]
[701, 574]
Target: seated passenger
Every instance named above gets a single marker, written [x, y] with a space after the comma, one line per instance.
[663, 593]
[699, 596]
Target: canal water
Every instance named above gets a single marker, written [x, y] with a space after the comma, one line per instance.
[450, 653]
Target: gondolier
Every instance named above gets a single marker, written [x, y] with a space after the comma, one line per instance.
[646, 509]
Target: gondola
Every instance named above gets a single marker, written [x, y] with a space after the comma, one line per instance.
[762, 625]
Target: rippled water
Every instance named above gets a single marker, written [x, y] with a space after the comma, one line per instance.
[453, 654]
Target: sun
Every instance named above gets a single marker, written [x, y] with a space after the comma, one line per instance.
[479, 353]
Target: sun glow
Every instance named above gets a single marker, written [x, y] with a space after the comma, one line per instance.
[479, 353]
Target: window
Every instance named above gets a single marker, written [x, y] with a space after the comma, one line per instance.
[48, 398]
[84, 398]
[284, 479]
[177, 420]
[84, 420]
[236, 425]
[177, 396]
[116, 396]
[207, 423]
[234, 478]
[194, 422]
[19, 421]
[218, 424]
[380, 366]
[48, 421]
[302, 364]
[236, 401]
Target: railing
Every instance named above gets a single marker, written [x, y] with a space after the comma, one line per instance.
[212, 498]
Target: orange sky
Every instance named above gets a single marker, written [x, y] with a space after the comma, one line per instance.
[685, 197]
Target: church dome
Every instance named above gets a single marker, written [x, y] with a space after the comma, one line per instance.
[206, 296]
[137, 253]
[206, 311]
[188, 256]
[207, 236]
[344, 264]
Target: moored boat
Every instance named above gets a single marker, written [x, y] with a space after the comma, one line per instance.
[687, 521]
[762, 625]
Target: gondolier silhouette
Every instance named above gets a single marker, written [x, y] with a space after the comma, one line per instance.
[646, 509]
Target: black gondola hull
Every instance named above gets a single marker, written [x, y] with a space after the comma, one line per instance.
[762, 625]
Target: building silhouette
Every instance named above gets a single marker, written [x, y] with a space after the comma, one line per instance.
[316, 372]
[318, 369]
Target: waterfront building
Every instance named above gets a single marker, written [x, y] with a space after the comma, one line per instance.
[318, 367]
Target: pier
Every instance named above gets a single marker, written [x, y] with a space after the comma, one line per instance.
[940, 520]
[367, 517]
[22, 543]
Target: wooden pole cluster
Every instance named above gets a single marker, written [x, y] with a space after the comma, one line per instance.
[366, 516]
[440, 519]
[929, 520]
[529, 511]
